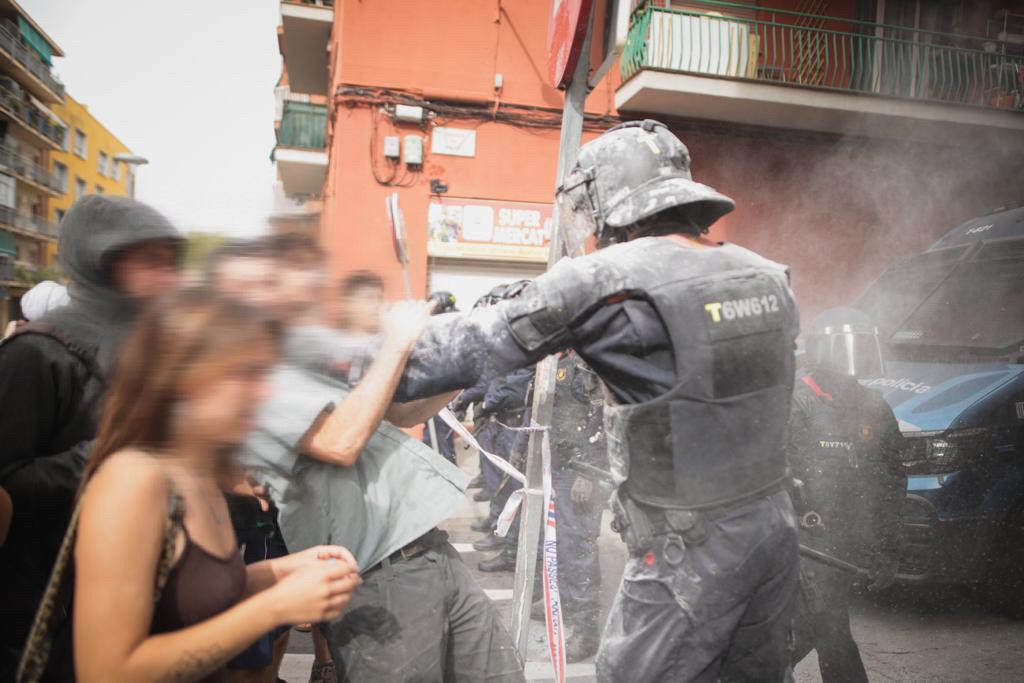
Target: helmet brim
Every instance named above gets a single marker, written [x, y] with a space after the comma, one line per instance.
[702, 203]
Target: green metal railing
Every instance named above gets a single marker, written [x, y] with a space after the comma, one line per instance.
[9, 41]
[16, 106]
[10, 217]
[795, 48]
[303, 125]
[27, 168]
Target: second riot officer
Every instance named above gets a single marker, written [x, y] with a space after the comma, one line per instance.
[844, 452]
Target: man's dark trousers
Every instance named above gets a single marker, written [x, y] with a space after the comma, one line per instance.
[413, 619]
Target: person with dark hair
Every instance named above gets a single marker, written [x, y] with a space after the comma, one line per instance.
[118, 254]
[294, 245]
[339, 468]
[844, 453]
[361, 303]
[181, 402]
[246, 270]
[694, 342]
[243, 269]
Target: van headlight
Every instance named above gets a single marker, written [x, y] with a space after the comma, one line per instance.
[941, 452]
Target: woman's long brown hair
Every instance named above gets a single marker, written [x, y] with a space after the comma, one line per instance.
[186, 340]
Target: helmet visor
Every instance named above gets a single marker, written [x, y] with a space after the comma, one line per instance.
[575, 218]
[852, 353]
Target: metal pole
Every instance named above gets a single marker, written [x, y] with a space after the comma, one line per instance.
[544, 382]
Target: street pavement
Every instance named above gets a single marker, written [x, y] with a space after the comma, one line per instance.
[934, 635]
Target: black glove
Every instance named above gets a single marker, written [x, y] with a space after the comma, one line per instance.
[883, 571]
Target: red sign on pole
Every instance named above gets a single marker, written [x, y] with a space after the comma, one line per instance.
[567, 30]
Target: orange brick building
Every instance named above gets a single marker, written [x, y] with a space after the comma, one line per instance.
[848, 136]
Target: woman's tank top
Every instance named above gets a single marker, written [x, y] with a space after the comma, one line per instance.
[200, 586]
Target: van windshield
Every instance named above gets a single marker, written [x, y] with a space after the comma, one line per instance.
[900, 290]
[933, 301]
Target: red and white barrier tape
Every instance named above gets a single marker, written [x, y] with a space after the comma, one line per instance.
[549, 555]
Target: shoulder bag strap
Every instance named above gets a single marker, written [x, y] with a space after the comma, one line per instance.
[40, 639]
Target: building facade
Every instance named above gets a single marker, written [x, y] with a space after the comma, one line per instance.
[29, 133]
[849, 132]
[87, 163]
[299, 155]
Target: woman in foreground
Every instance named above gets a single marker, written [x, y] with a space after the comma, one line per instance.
[188, 384]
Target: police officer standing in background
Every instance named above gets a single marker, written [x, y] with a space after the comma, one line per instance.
[578, 452]
[844, 454]
[694, 341]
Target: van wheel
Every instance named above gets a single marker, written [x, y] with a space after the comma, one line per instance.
[1004, 583]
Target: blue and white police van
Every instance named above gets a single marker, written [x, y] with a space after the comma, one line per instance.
[952, 326]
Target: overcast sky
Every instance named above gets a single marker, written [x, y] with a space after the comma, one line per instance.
[188, 85]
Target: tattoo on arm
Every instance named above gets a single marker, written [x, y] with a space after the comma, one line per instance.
[195, 665]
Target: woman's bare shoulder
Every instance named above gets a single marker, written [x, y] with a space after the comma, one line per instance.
[129, 475]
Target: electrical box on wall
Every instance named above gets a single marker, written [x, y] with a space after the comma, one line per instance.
[408, 113]
[392, 147]
[413, 147]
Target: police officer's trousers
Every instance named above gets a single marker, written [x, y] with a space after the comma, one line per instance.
[717, 611]
[822, 623]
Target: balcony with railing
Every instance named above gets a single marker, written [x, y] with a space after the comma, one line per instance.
[28, 170]
[303, 40]
[7, 269]
[42, 84]
[758, 65]
[32, 226]
[15, 106]
[301, 148]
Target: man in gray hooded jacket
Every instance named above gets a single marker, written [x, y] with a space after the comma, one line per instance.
[117, 253]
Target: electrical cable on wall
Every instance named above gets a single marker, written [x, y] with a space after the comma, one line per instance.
[522, 115]
[408, 177]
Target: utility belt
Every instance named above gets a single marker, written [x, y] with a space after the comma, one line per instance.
[638, 524]
[431, 539]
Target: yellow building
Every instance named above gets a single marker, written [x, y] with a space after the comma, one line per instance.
[29, 133]
[86, 164]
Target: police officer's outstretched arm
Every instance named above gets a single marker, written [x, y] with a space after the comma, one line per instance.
[457, 350]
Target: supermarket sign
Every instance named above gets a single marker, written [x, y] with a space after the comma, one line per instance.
[484, 229]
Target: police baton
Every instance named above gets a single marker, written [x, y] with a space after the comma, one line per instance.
[590, 472]
[825, 558]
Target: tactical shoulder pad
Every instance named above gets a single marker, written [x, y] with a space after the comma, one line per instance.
[540, 317]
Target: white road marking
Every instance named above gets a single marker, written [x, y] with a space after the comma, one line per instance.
[499, 593]
[542, 671]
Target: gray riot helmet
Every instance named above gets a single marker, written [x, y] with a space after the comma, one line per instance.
[845, 341]
[444, 302]
[632, 172]
[492, 297]
[514, 289]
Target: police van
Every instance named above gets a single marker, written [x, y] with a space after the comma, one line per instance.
[952, 325]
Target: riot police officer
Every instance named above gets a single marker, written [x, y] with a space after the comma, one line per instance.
[578, 451]
[693, 341]
[844, 454]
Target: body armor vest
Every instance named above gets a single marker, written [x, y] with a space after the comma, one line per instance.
[718, 436]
